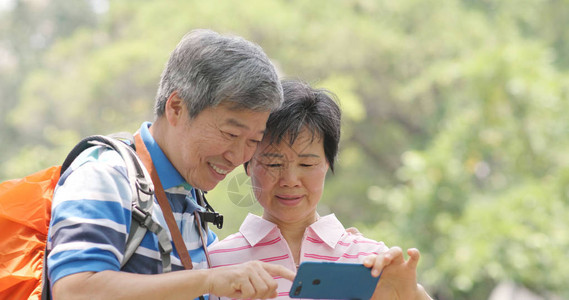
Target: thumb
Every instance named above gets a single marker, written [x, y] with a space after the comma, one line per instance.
[276, 270]
[414, 256]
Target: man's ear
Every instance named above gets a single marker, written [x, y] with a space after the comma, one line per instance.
[175, 108]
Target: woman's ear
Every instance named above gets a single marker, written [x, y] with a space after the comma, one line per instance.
[247, 165]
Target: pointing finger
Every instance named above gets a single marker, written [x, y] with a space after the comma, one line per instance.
[276, 270]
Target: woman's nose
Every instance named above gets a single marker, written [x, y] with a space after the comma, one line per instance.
[289, 176]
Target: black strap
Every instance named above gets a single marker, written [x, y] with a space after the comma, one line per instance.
[210, 215]
[46, 289]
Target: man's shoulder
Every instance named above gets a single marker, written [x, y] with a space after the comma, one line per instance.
[98, 156]
[93, 175]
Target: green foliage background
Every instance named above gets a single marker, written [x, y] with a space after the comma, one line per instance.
[454, 136]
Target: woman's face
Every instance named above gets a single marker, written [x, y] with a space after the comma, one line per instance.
[288, 180]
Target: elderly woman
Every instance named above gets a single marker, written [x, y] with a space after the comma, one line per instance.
[288, 171]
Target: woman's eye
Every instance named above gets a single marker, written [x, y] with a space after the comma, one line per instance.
[306, 165]
[273, 165]
[229, 134]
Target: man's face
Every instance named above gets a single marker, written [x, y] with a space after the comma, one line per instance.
[208, 147]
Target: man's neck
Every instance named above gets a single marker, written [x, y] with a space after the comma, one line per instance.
[158, 132]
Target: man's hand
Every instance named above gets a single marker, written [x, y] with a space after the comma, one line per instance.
[398, 277]
[252, 279]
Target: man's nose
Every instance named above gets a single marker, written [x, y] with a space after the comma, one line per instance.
[239, 152]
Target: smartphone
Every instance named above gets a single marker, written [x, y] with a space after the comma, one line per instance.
[328, 280]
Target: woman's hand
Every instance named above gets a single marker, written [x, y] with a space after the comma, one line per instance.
[398, 277]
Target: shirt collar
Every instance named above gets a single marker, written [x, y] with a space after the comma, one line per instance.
[169, 176]
[328, 228]
[254, 228]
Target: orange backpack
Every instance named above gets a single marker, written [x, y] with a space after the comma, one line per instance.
[25, 213]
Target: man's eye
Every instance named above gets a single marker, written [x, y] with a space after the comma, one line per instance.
[306, 165]
[274, 165]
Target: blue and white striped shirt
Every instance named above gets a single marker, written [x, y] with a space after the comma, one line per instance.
[91, 216]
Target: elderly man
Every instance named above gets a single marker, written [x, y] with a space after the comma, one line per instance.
[214, 98]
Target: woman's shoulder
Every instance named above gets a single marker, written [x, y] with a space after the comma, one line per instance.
[232, 239]
[360, 241]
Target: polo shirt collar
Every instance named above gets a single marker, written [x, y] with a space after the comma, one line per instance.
[328, 228]
[254, 229]
[169, 176]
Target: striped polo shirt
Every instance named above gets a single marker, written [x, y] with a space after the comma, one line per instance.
[91, 216]
[324, 240]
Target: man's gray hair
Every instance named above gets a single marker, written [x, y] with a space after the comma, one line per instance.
[207, 68]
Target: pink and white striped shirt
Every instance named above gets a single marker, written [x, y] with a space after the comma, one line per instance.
[259, 239]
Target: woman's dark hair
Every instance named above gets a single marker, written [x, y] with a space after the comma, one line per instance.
[306, 108]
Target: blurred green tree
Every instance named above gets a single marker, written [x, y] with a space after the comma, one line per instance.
[28, 29]
[454, 135]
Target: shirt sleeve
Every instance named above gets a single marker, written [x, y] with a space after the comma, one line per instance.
[90, 217]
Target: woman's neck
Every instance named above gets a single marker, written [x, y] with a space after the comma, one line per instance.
[293, 232]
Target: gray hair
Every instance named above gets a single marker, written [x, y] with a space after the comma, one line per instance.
[207, 68]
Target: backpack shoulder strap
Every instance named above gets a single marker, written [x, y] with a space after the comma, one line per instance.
[142, 199]
[142, 188]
